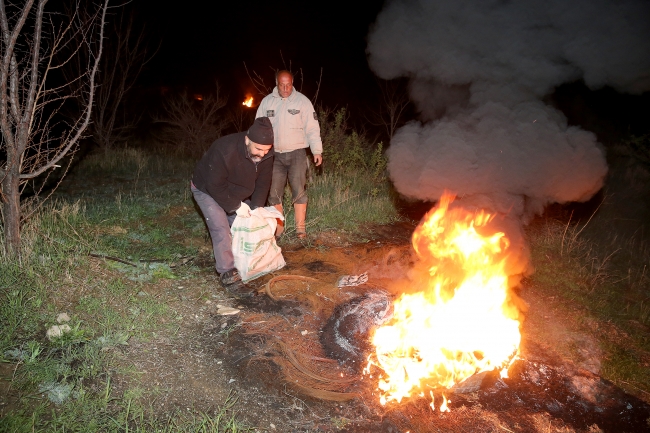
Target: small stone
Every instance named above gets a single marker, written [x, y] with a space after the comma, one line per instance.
[63, 317]
[231, 381]
[227, 311]
[305, 332]
[272, 426]
[57, 331]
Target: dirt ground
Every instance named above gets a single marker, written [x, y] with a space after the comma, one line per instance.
[214, 355]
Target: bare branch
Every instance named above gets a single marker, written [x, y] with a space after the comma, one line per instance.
[298, 79]
[320, 79]
[8, 74]
[192, 125]
[78, 129]
[27, 115]
[394, 100]
[258, 82]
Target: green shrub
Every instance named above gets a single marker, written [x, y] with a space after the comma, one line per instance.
[637, 147]
[353, 188]
[346, 151]
[191, 122]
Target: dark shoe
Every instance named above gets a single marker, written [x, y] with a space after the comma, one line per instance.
[240, 290]
[230, 277]
[231, 281]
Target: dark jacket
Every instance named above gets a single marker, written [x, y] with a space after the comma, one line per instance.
[230, 176]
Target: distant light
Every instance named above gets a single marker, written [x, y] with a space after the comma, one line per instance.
[248, 102]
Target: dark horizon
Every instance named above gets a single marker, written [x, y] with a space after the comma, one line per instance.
[203, 43]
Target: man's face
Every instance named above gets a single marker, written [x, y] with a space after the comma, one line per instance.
[257, 151]
[285, 85]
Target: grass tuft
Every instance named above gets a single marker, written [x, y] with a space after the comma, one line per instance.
[121, 222]
[344, 202]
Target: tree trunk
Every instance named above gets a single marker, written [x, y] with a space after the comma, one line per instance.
[11, 210]
[25, 123]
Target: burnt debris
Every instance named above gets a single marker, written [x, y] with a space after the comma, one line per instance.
[345, 336]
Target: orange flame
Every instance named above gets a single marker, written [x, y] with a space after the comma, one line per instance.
[459, 322]
[248, 102]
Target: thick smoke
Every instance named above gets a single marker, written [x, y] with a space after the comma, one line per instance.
[479, 71]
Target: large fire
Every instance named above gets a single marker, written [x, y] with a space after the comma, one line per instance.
[459, 322]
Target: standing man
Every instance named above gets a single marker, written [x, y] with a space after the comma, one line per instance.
[235, 172]
[295, 126]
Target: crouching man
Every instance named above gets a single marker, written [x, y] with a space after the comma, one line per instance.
[233, 177]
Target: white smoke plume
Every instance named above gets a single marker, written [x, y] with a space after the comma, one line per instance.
[479, 71]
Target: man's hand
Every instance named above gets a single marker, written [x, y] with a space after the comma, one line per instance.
[244, 211]
[318, 160]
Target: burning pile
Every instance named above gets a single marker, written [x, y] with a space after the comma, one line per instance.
[248, 102]
[459, 320]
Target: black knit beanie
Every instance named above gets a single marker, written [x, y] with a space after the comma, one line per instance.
[261, 131]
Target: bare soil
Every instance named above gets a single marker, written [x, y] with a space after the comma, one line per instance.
[554, 387]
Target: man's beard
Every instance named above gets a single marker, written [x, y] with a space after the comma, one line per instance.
[253, 158]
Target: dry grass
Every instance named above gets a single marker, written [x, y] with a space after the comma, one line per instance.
[609, 289]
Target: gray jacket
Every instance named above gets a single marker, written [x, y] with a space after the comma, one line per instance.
[294, 120]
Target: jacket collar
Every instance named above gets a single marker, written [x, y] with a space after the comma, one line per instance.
[291, 97]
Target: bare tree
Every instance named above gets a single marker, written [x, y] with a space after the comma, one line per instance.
[32, 44]
[241, 117]
[125, 55]
[258, 82]
[192, 123]
[264, 89]
[393, 101]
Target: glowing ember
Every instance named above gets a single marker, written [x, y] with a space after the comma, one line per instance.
[459, 322]
[248, 102]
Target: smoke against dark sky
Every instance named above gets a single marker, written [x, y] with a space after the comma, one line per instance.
[478, 74]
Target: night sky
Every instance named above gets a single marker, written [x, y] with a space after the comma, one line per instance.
[203, 40]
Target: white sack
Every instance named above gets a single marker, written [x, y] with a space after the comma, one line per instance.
[253, 243]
